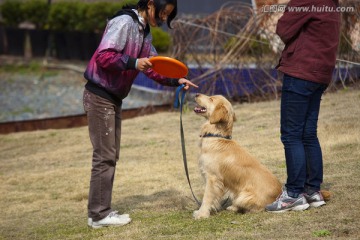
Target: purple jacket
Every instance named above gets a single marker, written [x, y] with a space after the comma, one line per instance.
[311, 39]
[112, 67]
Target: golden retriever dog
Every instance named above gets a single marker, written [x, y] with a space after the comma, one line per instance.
[226, 166]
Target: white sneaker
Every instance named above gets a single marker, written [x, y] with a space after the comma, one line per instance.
[90, 221]
[113, 219]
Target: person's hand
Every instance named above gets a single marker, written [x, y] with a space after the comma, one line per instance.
[143, 64]
[187, 83]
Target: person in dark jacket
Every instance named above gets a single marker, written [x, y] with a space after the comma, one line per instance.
[310, 30]
[123, 52]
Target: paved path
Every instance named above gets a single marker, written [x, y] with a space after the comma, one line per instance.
[25, 97]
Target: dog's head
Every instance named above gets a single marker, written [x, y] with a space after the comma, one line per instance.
[217, 109]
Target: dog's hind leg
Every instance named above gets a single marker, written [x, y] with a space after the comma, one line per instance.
[234, 205]
[232, 208]
[245, 202]
[214, 190]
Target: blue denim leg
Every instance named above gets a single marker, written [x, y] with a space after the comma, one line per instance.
[300, 104]
[313, 153]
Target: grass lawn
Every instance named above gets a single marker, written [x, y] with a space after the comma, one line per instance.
[45, 179]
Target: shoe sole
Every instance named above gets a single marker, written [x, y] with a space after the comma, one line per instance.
[96, 227]
[301, 207]
[90, 222]
[109, 225]
[317, 204]
[296, 208]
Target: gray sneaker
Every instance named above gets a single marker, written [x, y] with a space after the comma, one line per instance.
[113, 219]
[286, 203]
[315, 200]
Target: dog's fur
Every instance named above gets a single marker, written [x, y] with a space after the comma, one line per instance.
[226, 166]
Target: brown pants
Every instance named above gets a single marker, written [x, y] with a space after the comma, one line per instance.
[104, 120]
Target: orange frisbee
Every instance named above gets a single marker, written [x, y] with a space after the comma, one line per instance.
[169, 67]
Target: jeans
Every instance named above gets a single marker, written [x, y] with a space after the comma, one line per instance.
[104, 122]
[300, 105]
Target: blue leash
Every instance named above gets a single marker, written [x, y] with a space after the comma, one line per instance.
[180, 101]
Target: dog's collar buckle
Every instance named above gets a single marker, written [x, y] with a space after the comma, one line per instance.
[215, 135]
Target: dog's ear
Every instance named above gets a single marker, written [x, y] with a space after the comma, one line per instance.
[220, 114]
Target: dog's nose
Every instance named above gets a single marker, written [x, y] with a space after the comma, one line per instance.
[197, 94]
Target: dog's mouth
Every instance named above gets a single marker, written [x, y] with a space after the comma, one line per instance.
[200, 109]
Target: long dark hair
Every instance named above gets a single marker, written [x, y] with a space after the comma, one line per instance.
[159, 6]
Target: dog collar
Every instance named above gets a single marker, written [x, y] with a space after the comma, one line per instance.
[215, 135]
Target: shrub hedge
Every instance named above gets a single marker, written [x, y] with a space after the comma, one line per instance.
[69, 15]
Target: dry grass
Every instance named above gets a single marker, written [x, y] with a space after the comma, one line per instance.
[45, 178]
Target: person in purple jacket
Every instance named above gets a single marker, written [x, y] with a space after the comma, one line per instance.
[311, 40]
[123, 52]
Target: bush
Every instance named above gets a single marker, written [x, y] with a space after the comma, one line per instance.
[36, 12]
[94, 15]
[97, 13]
[80, 16]
[64, 16]
[161, 39]
[253, 46]
[345, 44]
[11, 13]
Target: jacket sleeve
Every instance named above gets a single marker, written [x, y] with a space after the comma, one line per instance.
[296, 14]
[110, 54]
[172, 82]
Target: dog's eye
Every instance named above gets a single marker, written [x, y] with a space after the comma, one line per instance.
[211, 99]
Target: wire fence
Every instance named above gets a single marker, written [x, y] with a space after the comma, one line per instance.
[234, 51]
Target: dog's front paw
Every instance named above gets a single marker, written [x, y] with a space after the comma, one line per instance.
[201, 214]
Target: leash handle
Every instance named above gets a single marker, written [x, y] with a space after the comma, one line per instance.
[180, 101]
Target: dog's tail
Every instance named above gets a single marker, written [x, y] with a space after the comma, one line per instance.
[326, 194]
